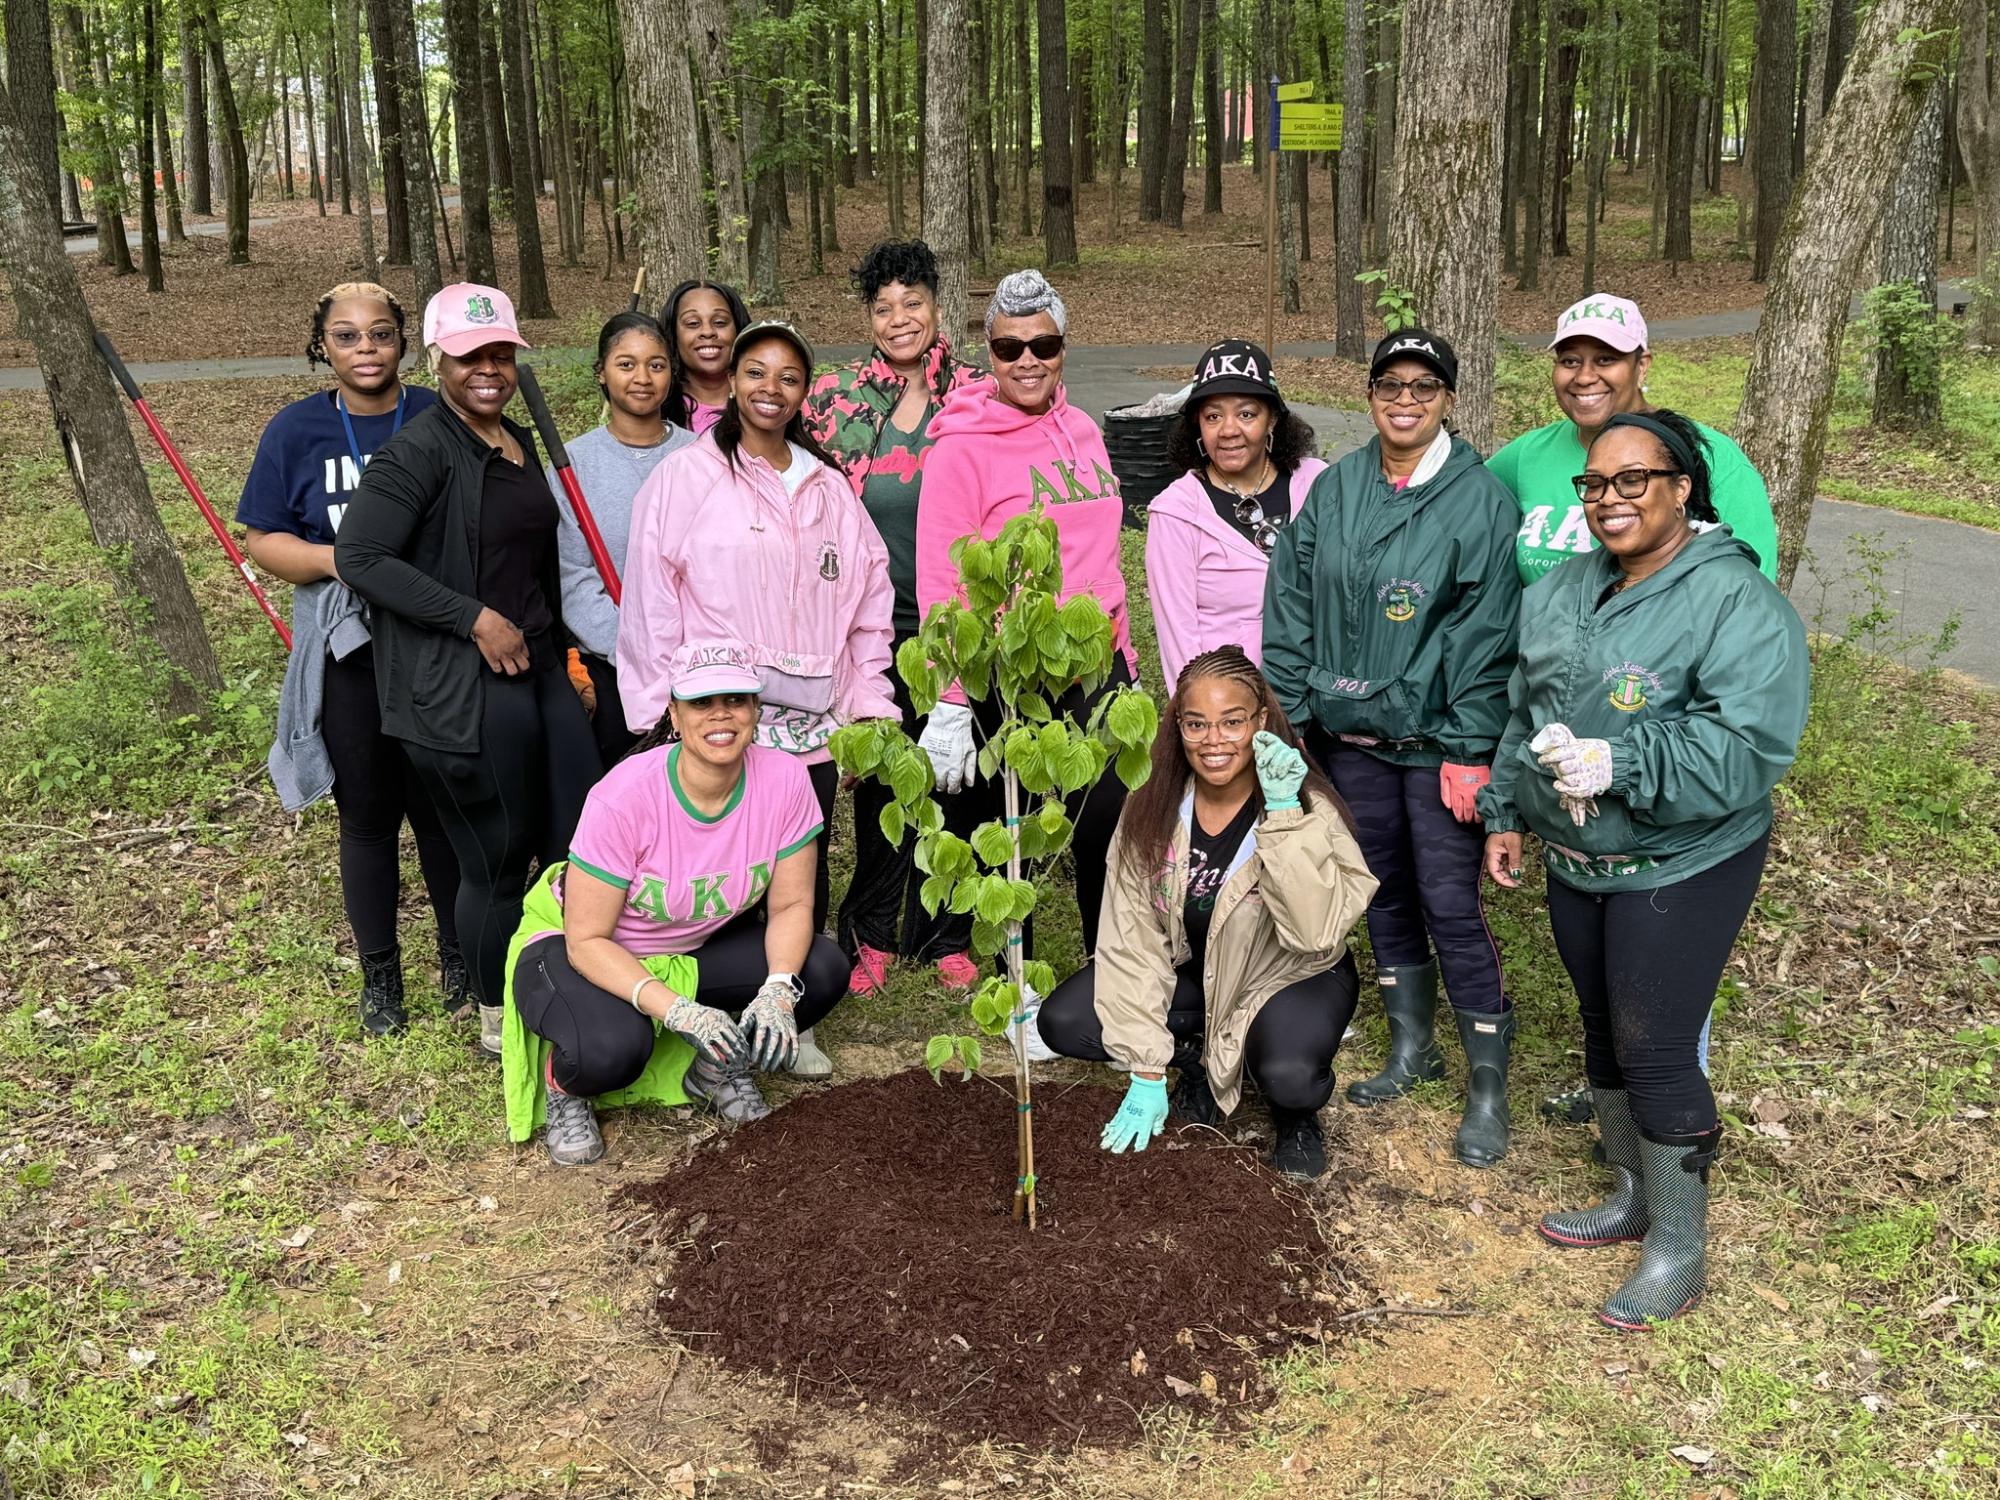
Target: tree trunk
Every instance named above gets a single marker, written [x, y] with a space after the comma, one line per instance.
[1058, 203]
[533, 300]
[946, 162]
[1387, 129]
[892, 125]
[1180, 127]
[1561, 152]
[236, 159]
[1350, 316]
[1156, 63]
[313, 169]
[396, 141]
[475, 194]
[105, 186]
[985, 181]
[727, 168]
[31, 78]
[864, 87]
[1604, 66]
[104, 463]
[1510, 149]
[354, 148]
[562, 135]
[1777, 66]
[1445, 248]
[194, 115]
[1795, 360]
[499, 155]
[421, 195]
[1534, 142]
[176, 228]
[1979, 145]
[142, 123]
[1215, 128]
[666, 170]
[1024, 114]
[1907, 387]
[1684, 17]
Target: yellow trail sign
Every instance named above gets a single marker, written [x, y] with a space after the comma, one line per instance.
[1309, 127]
[1292, 93]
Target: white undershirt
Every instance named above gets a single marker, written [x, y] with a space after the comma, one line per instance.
[796, 473]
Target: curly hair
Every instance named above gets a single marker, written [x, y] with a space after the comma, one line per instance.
[908, 261]
[1022, 295]
[1292, 439]
[372, 292]
[679, 407]
[1153, 812]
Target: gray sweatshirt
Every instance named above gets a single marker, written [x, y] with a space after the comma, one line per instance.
[610, 473]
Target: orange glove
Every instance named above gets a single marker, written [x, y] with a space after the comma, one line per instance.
[579, 678]
[1459, 786]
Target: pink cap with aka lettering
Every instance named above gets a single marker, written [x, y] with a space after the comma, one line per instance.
[1616, 321]
[709, 669]
[466, 316]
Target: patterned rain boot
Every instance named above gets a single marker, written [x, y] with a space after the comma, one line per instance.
[1621, 1216]
[1409, 997]
[1673, 1262]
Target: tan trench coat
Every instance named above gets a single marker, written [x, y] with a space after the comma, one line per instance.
[1282, 915]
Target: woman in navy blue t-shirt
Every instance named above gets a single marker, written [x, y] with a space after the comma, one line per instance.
[308, 463]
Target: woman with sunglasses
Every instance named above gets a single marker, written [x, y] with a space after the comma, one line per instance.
[1659, 697]
[1209, 534]
[330, 739]
[1389, 625]
[1004, 446]
[1235, 880]
[874, 416]
[701, 320]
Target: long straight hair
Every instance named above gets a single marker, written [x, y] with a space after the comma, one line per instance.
[1154, 811]
[728, 429]
[679, 407]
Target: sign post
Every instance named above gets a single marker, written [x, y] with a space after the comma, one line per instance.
[1271, 225]
[1295, 126]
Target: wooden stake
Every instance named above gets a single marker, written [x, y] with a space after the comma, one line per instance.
[1271, 228]
[1024, 1182]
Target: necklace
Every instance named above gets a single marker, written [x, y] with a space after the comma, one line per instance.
[1263, 481]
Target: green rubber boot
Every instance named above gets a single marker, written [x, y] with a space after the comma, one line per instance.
[1488, 1040]
[1621, 1216]
[1673, 1263]
[1409, 997]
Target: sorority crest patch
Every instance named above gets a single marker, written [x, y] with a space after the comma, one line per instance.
[829, 562]
[480, 309]
[1629, 683]
[1399, 598]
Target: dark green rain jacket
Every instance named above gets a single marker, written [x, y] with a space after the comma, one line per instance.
[1697, 676]
[1389, 615]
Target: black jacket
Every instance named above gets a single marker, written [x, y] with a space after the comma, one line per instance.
[409, 545]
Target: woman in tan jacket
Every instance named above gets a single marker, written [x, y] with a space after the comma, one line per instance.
[1234, 881]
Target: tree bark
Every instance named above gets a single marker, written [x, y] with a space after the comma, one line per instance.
[1532, 144]
[533, 300]
[314, 170]
[1795, 361]
[499, 157]
[1684, 19]
[176, 228]
[1445, 240]
[1979, 145]
[1155, 69]
[421, 194]
[142, 123]
[1388, 126]
[946, 160]
[864, 89]
[194, 115]
[104, 463]
[393, 140]
[1604, 66]
[1350, 317]
[1214, 126]
[716, 75]
[236, 158]
[353, 146]
[1058, 200]
[1907, 387]
[986, 184]
[1024, 114]
[1777, 42]
[666, 169]
[105, 176]
[475, 192]
[1180, 127]
[31, 78]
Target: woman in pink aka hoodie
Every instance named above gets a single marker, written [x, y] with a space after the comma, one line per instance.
[750, 533]
[1004, 445]
[1209, 534]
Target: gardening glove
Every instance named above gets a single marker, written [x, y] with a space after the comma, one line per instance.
[1281, 771]
[1460, 786]
[579, 678]
[1141, 1117]
[770, 1030]
[1553, 737]
[947, 740]
[1582, 768]
[706, 1029]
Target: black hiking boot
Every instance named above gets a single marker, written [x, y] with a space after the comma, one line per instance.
[1300, 1152]
[1192, 1099]
[1409, 998]
[382, 1012]
[1488, 1039]
[1573, 1108]
[454, 979]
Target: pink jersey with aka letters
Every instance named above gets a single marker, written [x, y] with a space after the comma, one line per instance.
[685, 875]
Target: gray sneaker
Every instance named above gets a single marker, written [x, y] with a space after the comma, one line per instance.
[490, 1031]
[728, 1090]
[573, 1137]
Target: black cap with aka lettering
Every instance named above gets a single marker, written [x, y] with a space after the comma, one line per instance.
[1234, 367]
[1421, 345]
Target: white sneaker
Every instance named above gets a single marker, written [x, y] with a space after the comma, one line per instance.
[811, 1062]
[1038, 1050]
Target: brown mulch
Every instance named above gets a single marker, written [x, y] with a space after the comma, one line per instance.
[859, 1243]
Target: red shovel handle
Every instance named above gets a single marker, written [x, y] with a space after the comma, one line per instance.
[545, 424]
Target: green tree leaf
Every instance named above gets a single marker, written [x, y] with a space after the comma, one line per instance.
[1135, 764]
[971, 1053]
[892, 824]
[992, 843]
[937, 1052]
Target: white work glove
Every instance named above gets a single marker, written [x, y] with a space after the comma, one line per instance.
[947, 740]
[1550, 741]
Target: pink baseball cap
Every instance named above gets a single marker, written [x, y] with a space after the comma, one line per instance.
[712, 668]
[466, 316]
[1616, 321]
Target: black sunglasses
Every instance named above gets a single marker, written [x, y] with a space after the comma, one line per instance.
[1042, 346]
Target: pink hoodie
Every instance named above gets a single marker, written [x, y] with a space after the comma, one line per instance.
[1206, 578]
[722, 553]
[990, 462]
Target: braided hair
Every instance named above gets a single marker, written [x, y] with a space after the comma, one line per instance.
[365, 290]
[1153, 812]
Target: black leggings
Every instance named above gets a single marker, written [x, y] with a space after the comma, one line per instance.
[1288, 1050]
[1646, 965]
[513, 803]
[607, 720]
[375, 790]
[602, 1043]
[826, 781]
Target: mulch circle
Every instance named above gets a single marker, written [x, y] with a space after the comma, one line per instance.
[859, 1241]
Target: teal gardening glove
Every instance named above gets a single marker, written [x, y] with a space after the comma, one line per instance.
[1281, 771]
[1142, 1116]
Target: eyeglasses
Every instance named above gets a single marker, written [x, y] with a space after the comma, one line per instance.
[1629, 483]
[1263, 529]
[1042, 346]
[1423, 390]
[350, 338]
[1234, 729]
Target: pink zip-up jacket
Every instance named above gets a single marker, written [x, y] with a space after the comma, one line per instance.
[720, 552]
[1204, 577]
[989, 462]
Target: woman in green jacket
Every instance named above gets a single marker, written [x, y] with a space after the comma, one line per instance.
[1389, 619]
[1660, 695]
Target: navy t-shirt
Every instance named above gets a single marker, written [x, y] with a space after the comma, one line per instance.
[304, 469]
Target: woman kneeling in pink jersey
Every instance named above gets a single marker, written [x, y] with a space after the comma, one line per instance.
[681, 922]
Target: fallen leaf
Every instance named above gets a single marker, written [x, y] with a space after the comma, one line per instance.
[1296, 1463]
[1688, 1453]
[1774, 1298]
[1716, 1361]
[487, 1205]
[300, 1237]
[1775, 1129]
[140, 1358]
[1939, 1305]
[1208, 1388]
[1181, 1387]
[1138, 1361]
[395, 1272]
[681, 1481]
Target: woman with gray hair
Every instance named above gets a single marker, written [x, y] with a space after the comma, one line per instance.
[1004, 445]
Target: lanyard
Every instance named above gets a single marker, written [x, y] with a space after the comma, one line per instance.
[354, 448]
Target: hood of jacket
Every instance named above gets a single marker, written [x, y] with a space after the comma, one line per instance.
[1186, 500]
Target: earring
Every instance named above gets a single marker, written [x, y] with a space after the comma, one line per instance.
[1201, 448]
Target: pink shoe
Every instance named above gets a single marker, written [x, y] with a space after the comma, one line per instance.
[958, 971]
[871, 970]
